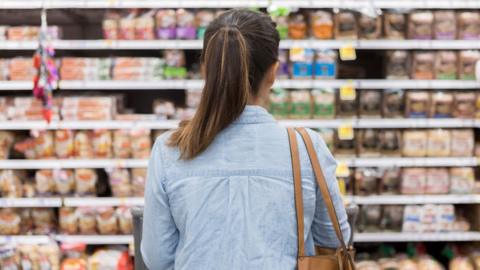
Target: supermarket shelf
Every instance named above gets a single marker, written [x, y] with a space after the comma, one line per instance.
[96, 239]
[25, 239]
[385, 4]
[414, 199]
[131, 85]
[417, 237]
[30, 202]
[41, 125]
[411, 162]
[72, 163]
[76, 202]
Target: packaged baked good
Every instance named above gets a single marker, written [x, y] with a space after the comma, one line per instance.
[345, 146]
[462, 180]
[367, 265]
[415, 143]
[125, 222]
[203, 19]
[87, 222]
[185, 24]
[68, 220]
[369, 27]
[302, 61]
[325, 64]
[139, 178]
[346, 25]
[370, 103]
[438, 143]
[445, 26]
[110, 25]
[460, 263]
[442, 105]
[83, 145]
[427, 262]
[417, 104]
[420, 25]
[398, 65]
[43, 220]
[141, 143]
[395, 24]
[44, 182]
[107, 220]
[321, 23]
[369, 218]
[301, 106]
[64, 143]
[463, 143]
[366, 181]
[144, 26]
[44, 144]
[347, 106]
[127, 26]
[445, 217]
[466, 64]
[393, 103]
[297, 26]
[414, 181]
[85, 182]
[10, 184]
[446, 65]
[390, 142]
[391, 180]
[165, 21]
[423, 65]
[119, 180]
[438, 181]
[122, 146]
[279, 103]
[412, 220]
[6, 141]
[468, 25]
[174, 64]
[118, 258]
[392, 218]
[64, 182]
[323, 103]
[368, 145]
[464, 105]
[27, 220]
[102, 143]
[9, 221]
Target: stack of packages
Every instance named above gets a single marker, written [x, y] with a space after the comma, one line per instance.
[28, 32]
[21, 69]
[138, 68]
[85, 69]
[3, 109]
[89, 108]
[30, 109]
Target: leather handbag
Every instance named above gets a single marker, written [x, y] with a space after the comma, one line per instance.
[341, 258]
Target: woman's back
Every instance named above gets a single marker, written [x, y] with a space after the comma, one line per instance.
[232, 206]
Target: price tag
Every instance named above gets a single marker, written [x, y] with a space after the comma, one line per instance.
[348, 92]
[348, 53]
[345, 131]
[342, 170]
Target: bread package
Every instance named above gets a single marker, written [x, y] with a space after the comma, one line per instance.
[369, 218]
[420, 25]
[445, 26]
[44, 144]
[10, 184]
[466, 64]
[346, 25]
[417, 104]
[44, 182]
[186, 28]
[125, 221]
[368, 145]
[107, 220]
[87, 223]
[415, 143]
[446, 65]
[119, 180]
[423, 65]
[461, 263]
[203, 19]
[122, 145]
[413, 180]
[346, 106]
[442, 105]
[64, 143]
[83, 145]
[438, 181]
[85, 182]
[323, 103]
[102, 143]
[139, 178]
[438, 143]
[301, 106]
[279, 103]
[370, 103]
[68, 220]
[412, 220]
[393, 103]
[390, 142]
[392, 218]
[325, 66]
[462, 180]
[321, 24]
[166, 24]
[64, 182]
[297, 26]
[127, 26]
[369, 27]
[463, 143]
[397, 66]
[9, 222]
[43, 220]
[141, 143]
[6, 141]
[469, 25]
[395, 24]
[391, 180]
[464, 105]
[345, 147]
[145, 26]
[366, 181]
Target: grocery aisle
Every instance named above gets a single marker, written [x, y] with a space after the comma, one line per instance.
[389, 85]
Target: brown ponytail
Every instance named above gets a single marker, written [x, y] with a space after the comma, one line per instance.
[239, 47]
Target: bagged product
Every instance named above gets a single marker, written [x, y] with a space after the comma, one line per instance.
[43, 220]
[325, 64]
[464, 105]
[127, 26]
[370, 103]
[102, 143]
[107, 220]
[302, 61]
[64, 143]
[279, 103]
[392, 218]
[125, 221]
[83, 145]
[323, 103]
[397, 65]
[463, 143]
[438, 143]
[345, 147]
[27, 220]
[390, 142]
[9, 222]
[366, 181]
[420, 25]
[116, 259]
[438, 181]
[369, 218]
[44, 144]
[461, 263]
[110, 25]
[346, 25]
[346, 106]
[415, 143]
[300, 104]
[462, 180]
[297, 26]
[166, 24]
[412, 220]
[393, 103]
[445, 27]
[203, 19]
[122, 146]
[119, 180]
[367, 265]
[417, 104]
[468, 25]
[144, 26]
[423, 65]
[395, 24]
[64, 182]
[139, 178]
[426, 262]
[429, 218]
[466, 64]
[368, 145]
[445, 218]
[44, 182]
[446, 65]
[174, 64]
[85, 182]
[6, 141]
[321, 24]
[141, 143]
[369, 27]
[68, 220]
[185, 24]
[391, 180]
[10, 184]
[414, 181]
[163, 109]
[87, 222]
[442, 105]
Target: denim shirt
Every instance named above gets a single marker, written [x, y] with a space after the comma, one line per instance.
[232, 207]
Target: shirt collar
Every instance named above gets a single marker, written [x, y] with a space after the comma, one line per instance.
[253, 115]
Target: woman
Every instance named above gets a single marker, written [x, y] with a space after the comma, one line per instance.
[219, 193]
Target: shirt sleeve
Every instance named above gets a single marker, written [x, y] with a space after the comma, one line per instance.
[322, 227]
[160, 234]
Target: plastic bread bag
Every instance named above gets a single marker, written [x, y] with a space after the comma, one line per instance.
[10, 184]
[395, 24]
[302, 63]
[301, 105]
[87, 222]
[139, 178]
[428, 263]
[398, 65]
[119, 180]
[412, 218]
[392, 218]
[64, 143]
[110, 25]
[27, 220]
[370, 218]
[466, 64]
[438, 143]
[393, 103]
[345, 147]
[460, 263]
[141, 143]
[423, 65]
[111, 258]
[43, 220]
[463, 143]
[107, 220]
[446, 65]
[442, 105]
[367, 265]
[9, 222]
[420, 25]
[127, 26]
[370, 103]
[415, 143]
[64, 182]
[369, 27]
[44, 143]
[145, 26]
[321, 24]
[6, 140]
[102, 143]
[390, 181]
[445, 27]
[366, 181]
[186, 25]
[166, 24]
[462, 180]
[44, 182]
[417, 104]
[125, 221]
[368, 145]
[122, 145]
[346, 25]
[323, 103]
[464, 105]
[203, 19]
[297, 26]
[283, 71]
[414, 181]
[83, 145]
[8, 257]
[325, 66]
[68, 220]
[438, 181]
[390, 142]
[469, 25]
[85, 182]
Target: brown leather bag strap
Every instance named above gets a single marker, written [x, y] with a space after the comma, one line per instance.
[297, 186]
[322, 184]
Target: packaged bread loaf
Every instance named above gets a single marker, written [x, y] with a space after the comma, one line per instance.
[279, 103]
[370, 103]
[369, 218]
[438, 143]
[144, 26]
[27, 220]
[119, 180]
[368, 145]
[417, 104]
[323, 103]
[87, 223]
[107, 222]
[462, 180]
[460, 263]
[10, 184]
[44, 182]
[125, 222]
[413, 180]
[43, 220]
[325, 64]
[345, 146]
[412, 222]
[301, 106]
[466, 64]
[469, 25]
[395, 24]
[139, 178]
[127, 26]
[446, 65]
[393, 103]
[64, 143]
[122, 146]
[321, 24]
[68, 220]
[64, 182]
[85, 182]
[366, 181]
[369, 27]
[438, 181]
[397, 65]
[420, 25]
[445, 26]
[110, 25]
[297, 26]
[165, 24]
[392, 218]
[83, 145]
[414, 143]
[391, 180]
[102, 143]
[203, 19]
[6, 141]
[423, 65]
[346, 25]
[442, 105]
[464, 105]
[185, 24]
[44, 144]
[141, 143]
[390, 142]
[9, 222]
[346, 106]
[463, 143]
